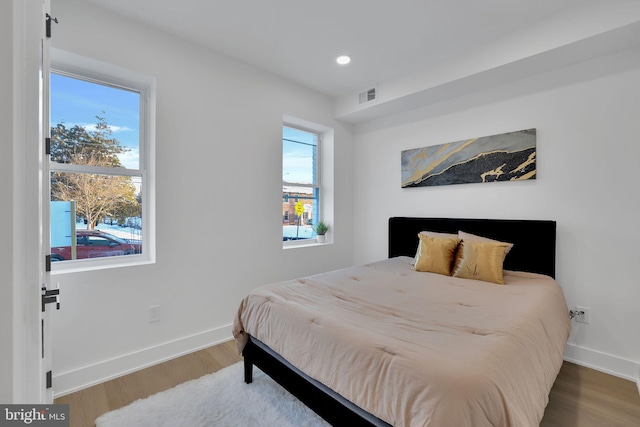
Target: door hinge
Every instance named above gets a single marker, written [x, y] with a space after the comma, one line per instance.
[50, 296]
[49, 379]
[47, 262]
[48, 20]
[47, 146]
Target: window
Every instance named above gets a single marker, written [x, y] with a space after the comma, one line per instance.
[101, 164]
[301, 188]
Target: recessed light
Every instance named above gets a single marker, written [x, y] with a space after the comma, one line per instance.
[343, 60]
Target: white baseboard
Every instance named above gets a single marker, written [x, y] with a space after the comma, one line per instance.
[603, 362]
[87, 376]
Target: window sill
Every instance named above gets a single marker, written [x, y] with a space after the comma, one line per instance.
[78, 266]
[307, 244]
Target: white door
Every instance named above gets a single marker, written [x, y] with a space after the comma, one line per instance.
[32, 340]
[50, 297]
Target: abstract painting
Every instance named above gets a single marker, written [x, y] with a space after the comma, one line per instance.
[504, 157]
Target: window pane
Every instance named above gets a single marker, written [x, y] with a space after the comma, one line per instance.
[94, 215]
[299, 212]
[94, 124]
[299, 156]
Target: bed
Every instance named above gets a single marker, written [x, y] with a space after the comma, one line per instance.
[417, 348]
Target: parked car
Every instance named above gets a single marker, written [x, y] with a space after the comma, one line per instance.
[96, 244]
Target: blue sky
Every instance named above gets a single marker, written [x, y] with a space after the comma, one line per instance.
[78, 102]
[297, 157]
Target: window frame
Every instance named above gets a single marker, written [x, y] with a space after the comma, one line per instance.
[93, 71]
[324, 205]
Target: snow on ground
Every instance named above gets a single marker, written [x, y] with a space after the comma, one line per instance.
[298, 232]
[115, 230]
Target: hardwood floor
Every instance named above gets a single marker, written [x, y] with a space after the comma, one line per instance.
[88, 404]
[581, 397]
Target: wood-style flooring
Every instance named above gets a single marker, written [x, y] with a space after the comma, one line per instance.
[88, 404]
[581, 397]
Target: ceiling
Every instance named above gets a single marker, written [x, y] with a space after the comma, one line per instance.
[386, 39]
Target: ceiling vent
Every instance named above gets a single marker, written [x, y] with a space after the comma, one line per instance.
[367, 95]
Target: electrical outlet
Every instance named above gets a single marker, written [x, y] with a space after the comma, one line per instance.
[154, 313]
[584, 315]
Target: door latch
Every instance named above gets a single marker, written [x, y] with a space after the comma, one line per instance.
[50, 296]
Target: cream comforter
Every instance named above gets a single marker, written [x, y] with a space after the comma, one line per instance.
[419, 349]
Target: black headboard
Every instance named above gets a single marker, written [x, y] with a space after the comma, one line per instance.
[534, 248]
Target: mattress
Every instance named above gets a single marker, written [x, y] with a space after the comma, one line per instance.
[418, 349]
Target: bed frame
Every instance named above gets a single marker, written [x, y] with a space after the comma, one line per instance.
[534, 251]
[534, 241]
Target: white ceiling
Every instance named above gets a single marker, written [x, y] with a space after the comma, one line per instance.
[386, 39]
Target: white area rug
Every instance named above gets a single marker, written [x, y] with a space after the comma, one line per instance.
[221, 399]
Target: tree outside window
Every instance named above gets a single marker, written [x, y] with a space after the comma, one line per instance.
[95, 163]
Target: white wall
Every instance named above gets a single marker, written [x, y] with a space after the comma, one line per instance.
[587, 143]
[218, 156]
[6, 193]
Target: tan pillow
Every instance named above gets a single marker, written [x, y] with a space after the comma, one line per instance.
[432, 234]
[438, 234]
[436, 254]
[474, 238]
[480, 261]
